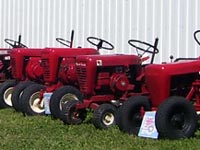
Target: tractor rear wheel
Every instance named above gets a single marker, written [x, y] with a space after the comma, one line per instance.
[6, 89]
[104, 116]
[31, 100]
[60, 97]
[71, 115]
[176, 118]
[17, 92]
[131, 114]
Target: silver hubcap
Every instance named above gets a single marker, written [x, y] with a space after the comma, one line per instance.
[108, 119]
[7, 96]
[66, 98]
[36, 104]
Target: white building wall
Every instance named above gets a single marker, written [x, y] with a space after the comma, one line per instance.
[41, 21]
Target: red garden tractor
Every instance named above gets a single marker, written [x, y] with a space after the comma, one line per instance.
[25, 65]
[5, 67]
[106, 81]
[59, 68]
[174, 95]
[26, 70]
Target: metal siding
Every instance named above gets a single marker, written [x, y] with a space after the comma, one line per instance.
[41, 21]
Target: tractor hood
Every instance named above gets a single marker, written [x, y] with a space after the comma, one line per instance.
[109, 60]
[29, 52]
[174, 68]
[69, 52]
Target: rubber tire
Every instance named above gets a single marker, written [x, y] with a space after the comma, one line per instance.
[15, 98]
[127, 111]
[164, 114]
[56, 98]
[100, 113]
[69, 109]
[25, 100]
[3, 87]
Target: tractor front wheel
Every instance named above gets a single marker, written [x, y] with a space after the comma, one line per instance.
[71, 115]
[60, 97]
[6, 89]
[176, 118]
[131, 114]
[17, 92]
[31, 102]
[104, 116]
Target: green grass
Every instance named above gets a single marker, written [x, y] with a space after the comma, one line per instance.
[42, 133]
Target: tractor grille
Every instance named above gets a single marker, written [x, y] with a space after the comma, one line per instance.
[81, 71]
[46, 68]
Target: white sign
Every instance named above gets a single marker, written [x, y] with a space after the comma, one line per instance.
[99, 62]
[46, 99]
[148, 128]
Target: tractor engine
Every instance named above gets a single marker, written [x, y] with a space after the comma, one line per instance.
[20, 58]
[34, 70]
[107, 74]
[67, 71]
[119, 82]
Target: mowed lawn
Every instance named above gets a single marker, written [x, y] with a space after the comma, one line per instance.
[43, 133]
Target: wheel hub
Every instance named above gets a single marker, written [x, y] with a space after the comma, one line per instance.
[66, 98]
[177, 121]
[108, 119]
[36, 104]
[7, 96]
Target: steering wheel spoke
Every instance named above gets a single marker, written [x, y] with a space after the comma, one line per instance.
[148, 48]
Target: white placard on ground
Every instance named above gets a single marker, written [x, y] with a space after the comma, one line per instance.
[148, 128]
[46, 99]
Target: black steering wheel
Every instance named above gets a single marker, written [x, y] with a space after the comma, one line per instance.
[15, 44]
[99, 43]
[66, 42]
[140, 44]
[195, 36]
[63, 41]
[155, 49]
